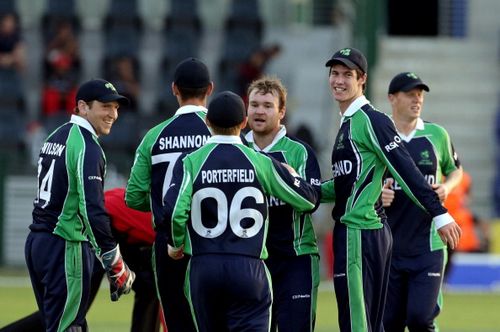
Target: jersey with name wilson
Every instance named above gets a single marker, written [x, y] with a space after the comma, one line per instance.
[291, 233]
[217, 200]
[156, 156]
[412, 229]
[367, 144]
[70, 194]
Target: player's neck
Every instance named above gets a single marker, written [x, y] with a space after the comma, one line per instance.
[405, 126]
[264, 140]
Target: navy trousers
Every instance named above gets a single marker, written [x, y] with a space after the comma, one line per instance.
[229, 293]
[60, 273]
[362, 260]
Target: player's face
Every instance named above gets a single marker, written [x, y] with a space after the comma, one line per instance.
[408, 105]
[264, 114]
[345, 84]
[102, 116]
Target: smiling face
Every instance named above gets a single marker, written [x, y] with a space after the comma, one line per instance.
[346, 84]
[100, 115]
[408, 105]
[264, 114]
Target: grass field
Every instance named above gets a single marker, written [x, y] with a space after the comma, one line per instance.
[462, 312]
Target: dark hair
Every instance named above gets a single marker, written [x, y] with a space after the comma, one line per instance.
[189, 93]
[225, 131]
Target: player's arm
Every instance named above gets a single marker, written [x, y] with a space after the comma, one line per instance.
[277, 181]
[452, 180]
[328, 191]
[386, 143]
[90, 188]
[137, 195]
[309, 170]
[177, 205]
[450, 166]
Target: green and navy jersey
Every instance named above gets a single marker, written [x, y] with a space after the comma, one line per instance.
[412, 229]
[156, 156]
[291, 232]
[367, 144]
[217, 203]
[70, 196]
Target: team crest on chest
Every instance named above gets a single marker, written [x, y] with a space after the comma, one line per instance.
[425, 158]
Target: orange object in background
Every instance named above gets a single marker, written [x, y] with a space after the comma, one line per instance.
[457, 204]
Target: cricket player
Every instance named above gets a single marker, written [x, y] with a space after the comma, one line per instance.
[366, 146]
[151, 176]
[70, 223]
[419, 255]
[291, 243]
[216, 211]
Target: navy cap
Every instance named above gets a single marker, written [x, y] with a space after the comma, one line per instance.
[191, 73]
[226, 110]
[405, 82]
[100, 90]
[350, 57]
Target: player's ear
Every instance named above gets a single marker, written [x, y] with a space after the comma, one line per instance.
[83, 107]
[175, 91]
[210, 89]
[282, 112]
[244, 123]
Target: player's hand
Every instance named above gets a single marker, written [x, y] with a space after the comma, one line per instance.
[441, 190]
[119, 275]
[176, 253]
[387, 193]
[450, 234]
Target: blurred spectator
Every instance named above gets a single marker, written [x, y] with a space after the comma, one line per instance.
[475, 232]
[62, 70]
[254, 67]
[123, 72]
[12, 52]
[305, 134]
[64, 45]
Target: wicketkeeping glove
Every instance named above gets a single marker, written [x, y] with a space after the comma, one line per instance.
[119, 275]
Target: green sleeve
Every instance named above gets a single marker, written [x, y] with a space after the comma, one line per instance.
[278, 182]
[182, 208]
[137, 195]
[328, 191]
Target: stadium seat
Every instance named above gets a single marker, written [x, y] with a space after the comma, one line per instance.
[11, 90]
[55, 12]
[7, 6]
[11, 129]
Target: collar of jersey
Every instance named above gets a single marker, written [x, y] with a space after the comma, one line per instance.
[279, 135]
[224, 139]
[419, 126]
[82, 122]
[354, 107]
[190, 109]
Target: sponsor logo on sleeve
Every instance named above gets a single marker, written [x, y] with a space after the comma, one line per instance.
[393, 144]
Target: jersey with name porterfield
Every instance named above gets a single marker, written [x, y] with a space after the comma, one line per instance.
[367, 144]
[412, 229]
[70, 200]
[291, 233]
[156, 156]
[217, 200]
